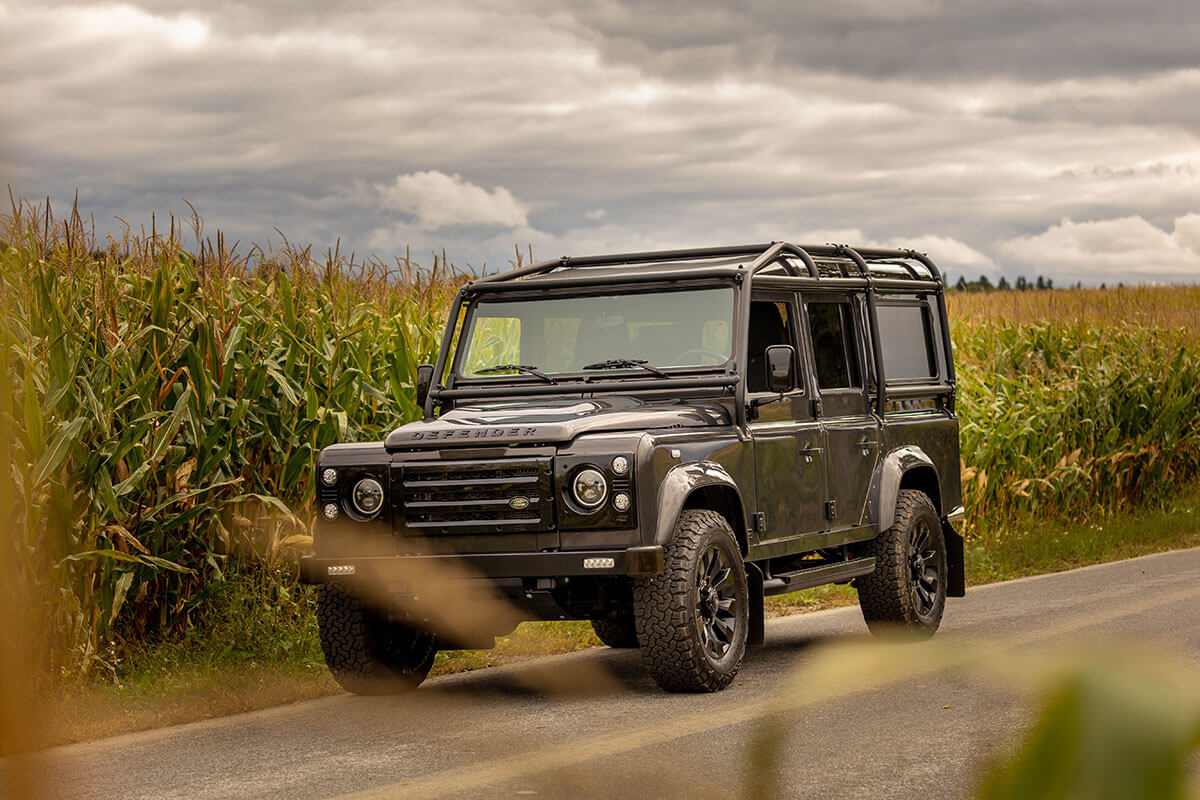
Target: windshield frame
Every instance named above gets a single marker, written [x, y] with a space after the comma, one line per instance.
[595, 379]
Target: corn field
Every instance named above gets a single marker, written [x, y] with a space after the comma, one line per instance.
[161, 407]
[1064, 420]
[162, 410]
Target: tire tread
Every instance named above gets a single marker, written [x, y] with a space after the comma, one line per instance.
[350, 640]
[662, 614]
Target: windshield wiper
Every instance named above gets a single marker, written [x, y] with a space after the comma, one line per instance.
[516, 368]
[626, 363]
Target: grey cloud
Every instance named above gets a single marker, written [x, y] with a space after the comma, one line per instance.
[289, 117]
[1128, 249]
[690, 39]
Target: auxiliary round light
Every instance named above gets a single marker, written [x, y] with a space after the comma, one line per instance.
[620, 465]
[329, 476]
[589, 488]
[330, 511]
[367, 497]
[621, 502]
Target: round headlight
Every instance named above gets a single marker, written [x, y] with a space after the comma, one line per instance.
[329, 476]
[367, 497]
[620, 465]
[589, 488]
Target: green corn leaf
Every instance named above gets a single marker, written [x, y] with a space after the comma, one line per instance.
[120, 590]
[167, 432]
[56, 452]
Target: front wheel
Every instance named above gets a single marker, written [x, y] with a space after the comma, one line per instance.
[366, 652]
[618, 633]
[693, 618]
[907, 590]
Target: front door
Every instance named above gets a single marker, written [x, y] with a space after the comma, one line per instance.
[788, 441]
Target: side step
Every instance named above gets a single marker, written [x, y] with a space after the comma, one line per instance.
[817, 576]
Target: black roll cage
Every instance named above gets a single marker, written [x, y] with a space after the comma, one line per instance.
[832, 266]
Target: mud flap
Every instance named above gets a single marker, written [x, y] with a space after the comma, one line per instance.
[754, 579]
[956, 562]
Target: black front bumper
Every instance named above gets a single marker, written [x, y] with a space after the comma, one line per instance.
[633, 561]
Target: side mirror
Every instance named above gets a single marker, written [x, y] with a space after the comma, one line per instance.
[424, 381]
[781, 368]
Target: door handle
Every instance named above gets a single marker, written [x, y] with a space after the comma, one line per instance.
[810, 452]
[866, 445]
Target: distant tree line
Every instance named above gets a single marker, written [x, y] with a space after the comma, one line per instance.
[984, 284]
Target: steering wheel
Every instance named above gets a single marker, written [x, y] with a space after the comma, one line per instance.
[719, 358]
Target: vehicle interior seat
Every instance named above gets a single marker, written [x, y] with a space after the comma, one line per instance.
[766, 328]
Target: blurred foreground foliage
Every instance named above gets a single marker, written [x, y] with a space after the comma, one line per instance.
[161, 408]
[1107, 724]
[1106, 731]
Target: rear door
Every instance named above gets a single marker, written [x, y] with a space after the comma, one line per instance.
[835, 327]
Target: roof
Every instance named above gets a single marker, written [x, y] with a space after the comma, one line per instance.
[783, 259]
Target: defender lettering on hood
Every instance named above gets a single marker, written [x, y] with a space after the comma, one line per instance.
[552, 421]
[466, 433]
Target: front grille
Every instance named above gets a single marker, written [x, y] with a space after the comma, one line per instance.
[477, 496]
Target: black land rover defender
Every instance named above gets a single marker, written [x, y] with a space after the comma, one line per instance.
[654, 442]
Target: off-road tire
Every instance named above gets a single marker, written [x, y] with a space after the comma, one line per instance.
[907, 590]
[619, 633]
[675, 610]
[366, 652]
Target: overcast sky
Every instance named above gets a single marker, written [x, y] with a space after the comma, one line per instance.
[1059, 137]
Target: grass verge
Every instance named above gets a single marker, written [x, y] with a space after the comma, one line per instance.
[224, 672]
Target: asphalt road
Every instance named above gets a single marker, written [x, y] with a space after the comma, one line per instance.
[848, 716]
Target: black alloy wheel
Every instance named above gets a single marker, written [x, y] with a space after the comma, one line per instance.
[925, 569]
[716, 602]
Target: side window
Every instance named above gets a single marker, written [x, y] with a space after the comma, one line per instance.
[834, 353]
[906, 335]
[770, 323]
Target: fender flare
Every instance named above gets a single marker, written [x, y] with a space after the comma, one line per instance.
[680, 482]
[885, 486]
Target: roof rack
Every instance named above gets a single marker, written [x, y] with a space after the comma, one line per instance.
[798, 261]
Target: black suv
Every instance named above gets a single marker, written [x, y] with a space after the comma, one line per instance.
[654, 442]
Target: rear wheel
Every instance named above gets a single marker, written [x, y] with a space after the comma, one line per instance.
[907, 590]
[619, 633]
[366, 652]
[693, 618]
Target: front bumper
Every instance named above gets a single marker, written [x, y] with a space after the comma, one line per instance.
[633, 561]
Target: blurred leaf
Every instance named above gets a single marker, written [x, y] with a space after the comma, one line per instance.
[1107, 732]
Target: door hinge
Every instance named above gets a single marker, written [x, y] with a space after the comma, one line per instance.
[830, 509]
[760, 522]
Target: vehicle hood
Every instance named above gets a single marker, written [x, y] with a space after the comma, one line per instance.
[556, 421]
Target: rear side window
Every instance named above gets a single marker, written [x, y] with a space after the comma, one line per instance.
[834, 353]
[907, 338]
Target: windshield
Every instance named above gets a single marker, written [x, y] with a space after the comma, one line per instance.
[691, 328]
